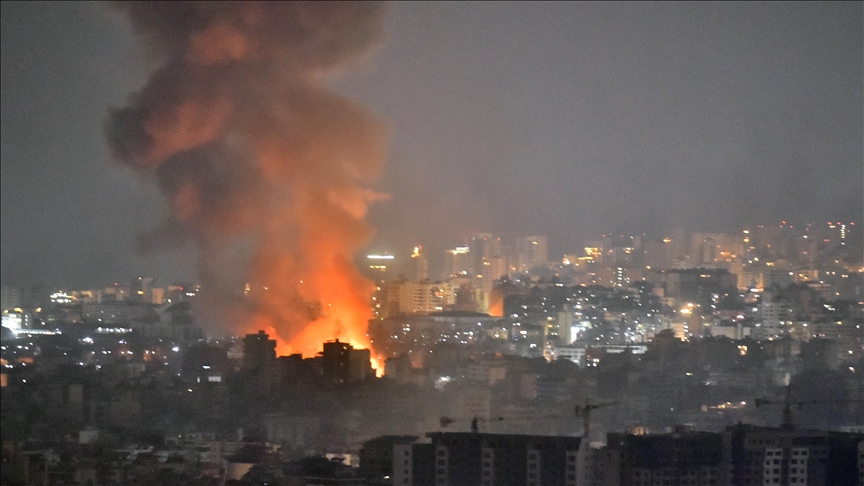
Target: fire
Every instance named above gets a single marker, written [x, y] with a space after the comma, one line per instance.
[330, 300]
[496, 303]
[255, 152]
[309, 342]
[342, 323]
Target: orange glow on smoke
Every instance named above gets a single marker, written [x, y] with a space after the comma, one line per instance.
[264, 167]
[310, 341]
[344, 318]
[496, 303]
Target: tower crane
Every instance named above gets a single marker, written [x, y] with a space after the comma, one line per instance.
[584, 411]
[788, 403]
[475, 427]
[475, 421]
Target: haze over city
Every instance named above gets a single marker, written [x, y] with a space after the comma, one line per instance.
[367, 243]
[571, 121]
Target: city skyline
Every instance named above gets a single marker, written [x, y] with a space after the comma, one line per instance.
[400, 263]
[403, 243]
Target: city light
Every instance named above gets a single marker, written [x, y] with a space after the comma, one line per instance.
[616, 217]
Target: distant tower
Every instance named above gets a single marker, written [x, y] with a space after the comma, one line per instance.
[360, 367]
[11, 298]
[337, 361]
[466, 298]
[659, 254]
[532, 251]
[458, 262]
[421, 264]
[597, 249]
[140, 289]
[259, 351]
[494, 267]
[482, 245]
[378, 264]
[37, 295]
[678, 238]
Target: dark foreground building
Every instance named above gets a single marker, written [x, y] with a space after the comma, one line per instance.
[743, 455]
[474, 459]
[681, 458]
[767, 456]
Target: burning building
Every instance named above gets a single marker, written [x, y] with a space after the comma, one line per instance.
[264, 169]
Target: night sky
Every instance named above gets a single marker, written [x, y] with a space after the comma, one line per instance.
[568, 120]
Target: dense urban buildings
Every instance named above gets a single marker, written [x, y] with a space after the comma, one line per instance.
[700, 359]
[427, 243]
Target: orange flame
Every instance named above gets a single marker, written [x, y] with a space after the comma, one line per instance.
[251, 146]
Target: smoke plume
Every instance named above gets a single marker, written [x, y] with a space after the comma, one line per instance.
[263, 168]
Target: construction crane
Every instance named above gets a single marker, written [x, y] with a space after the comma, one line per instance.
[584, 411]
[788, 403]
[475, 422]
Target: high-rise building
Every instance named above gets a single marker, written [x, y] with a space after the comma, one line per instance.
[457, 261]
[157, 295]
[468, 299]
[16, 321]
[342, 363]
[376, 456]
[777, 316]
[259, 351]
[35, 296]
[677, 458]
[378, 264]
[659, 254]
[680, 242]
[763, 455]
[11, 298]
[458, 459]
[403, 297]
[531, 251]
[835, 234]
[696, 284]
[807, 248]
[703, 248]
[337, 361]
[743, 454]
[596, 250]
[420, 264]
[493, 268]
[711, 248]
[360, 367]
[482, 245]
[140, 290]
